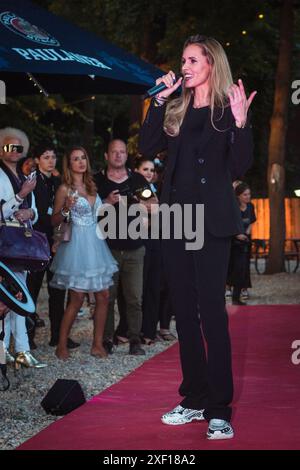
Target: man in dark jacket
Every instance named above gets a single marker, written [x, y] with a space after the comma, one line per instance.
[115, 181]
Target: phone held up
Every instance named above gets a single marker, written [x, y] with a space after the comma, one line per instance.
[31, 176]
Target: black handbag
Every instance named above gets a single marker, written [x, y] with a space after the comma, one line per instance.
[21, 247]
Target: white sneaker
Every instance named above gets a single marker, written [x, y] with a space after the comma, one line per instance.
[228, 293]
[244, 294]
[180, 415]
[219, 429]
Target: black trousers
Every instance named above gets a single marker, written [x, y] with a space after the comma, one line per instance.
[165, 306]
[239, 268]
[151, 288]
[196, 282]
[56, 301]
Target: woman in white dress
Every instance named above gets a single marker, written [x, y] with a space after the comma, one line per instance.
[83, 264]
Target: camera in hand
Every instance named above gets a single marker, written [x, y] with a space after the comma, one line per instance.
[144, 193]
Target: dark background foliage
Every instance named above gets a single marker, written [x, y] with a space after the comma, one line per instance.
[155, 31]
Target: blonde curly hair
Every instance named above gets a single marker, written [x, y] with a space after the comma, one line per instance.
[12, 132]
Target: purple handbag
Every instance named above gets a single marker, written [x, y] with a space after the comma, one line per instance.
[23, 248]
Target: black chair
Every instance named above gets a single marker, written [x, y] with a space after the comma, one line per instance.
[259, 251]
[292, 253]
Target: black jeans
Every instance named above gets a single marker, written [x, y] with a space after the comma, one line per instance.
[165, 306]
[239, 268]
[56, 301]
[196, 281]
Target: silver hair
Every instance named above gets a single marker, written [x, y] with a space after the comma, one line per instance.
[15, 133]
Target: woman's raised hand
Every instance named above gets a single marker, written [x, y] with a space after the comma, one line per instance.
[239, 102]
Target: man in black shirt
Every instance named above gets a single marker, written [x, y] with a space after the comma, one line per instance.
[44, 192]
[115, 181]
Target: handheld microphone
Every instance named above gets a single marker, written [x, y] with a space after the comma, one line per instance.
[158, 88]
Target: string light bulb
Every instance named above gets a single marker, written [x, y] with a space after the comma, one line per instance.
[37, 84]
[244, 32]
[261, 16]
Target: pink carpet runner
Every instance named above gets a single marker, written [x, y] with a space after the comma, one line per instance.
[266, 407]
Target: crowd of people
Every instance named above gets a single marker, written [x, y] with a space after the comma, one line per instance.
[133, 275]
[122, 270]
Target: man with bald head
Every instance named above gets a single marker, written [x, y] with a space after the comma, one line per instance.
[115, 180]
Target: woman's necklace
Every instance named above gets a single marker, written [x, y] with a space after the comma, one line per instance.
[81, 189]
[202, 105]
[79, 186]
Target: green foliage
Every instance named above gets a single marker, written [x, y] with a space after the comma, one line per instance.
[156, 32]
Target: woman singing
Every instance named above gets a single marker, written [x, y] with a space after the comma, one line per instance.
[209, 143]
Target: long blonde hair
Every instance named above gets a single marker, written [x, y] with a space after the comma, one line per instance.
[220, 81]
[67, 177]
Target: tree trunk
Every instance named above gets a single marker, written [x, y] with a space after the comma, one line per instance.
[153, 31]
[136, 109]
[87, 106]
[277, 141]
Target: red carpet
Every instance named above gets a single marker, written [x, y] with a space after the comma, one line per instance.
[266, 407]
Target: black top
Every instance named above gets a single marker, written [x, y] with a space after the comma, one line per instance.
[105, 186]
[44, 193]
[224, 153]
[248, 216]
[185, 179]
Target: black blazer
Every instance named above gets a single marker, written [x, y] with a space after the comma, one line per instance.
[223, 155]
[44, 193]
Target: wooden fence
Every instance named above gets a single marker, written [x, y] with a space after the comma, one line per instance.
[261, 228]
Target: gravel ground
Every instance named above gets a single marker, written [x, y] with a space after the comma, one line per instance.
[21, 415]
[280, 288]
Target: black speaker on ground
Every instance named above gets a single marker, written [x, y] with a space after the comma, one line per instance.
[64, 396]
